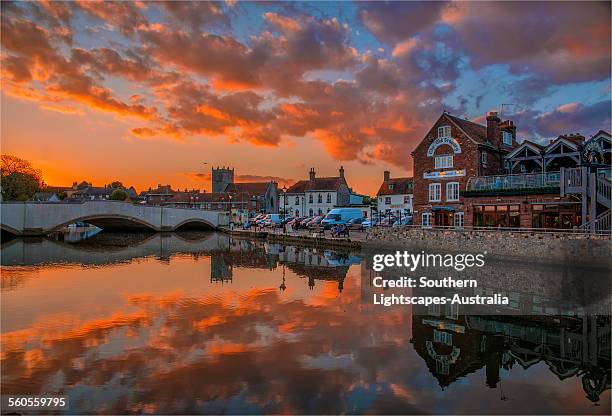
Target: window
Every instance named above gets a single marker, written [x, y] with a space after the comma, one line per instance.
[483, 159]
[507, 138]
[442, 367]
[329, 198]
[426, 219]
[445, 161]
[320, 198]
[444, 131]
[387, 200]
[452, 191]
[435, 192]
[310, 212]
[391, 186]
[458, 220]
[297, 200]
[406, 199]
[310, 198]
[320, 212]
[443, 337]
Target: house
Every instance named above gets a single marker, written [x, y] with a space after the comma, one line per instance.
[157, 196]
[316, 196]
[45, 197]
[394, 195]
[452, 151]
[91, 193]
[259, 197]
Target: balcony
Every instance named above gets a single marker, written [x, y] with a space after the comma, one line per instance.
[521, 184]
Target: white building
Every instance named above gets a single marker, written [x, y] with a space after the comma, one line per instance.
[316, 196]
[395, 195]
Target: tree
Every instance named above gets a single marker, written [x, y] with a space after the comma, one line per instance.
[117, 185]
[19, 179]
[118, 195]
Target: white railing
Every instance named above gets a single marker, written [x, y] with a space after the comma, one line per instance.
[603, 223]
[520, 181]
[603, 189]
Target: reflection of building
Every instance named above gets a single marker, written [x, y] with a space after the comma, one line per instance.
[220, 271]
[456, 345]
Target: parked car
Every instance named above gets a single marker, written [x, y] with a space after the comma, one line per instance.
[316, 221]
[305, 222]
[295, 223]
[256, 218]
[355, 223]
[406, 220]
[387, 221]
[260, 222]
[273, 220]
[369, 223]
[339, 216]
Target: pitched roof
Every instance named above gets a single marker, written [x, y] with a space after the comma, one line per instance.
[252, 188]
[299, 187]
[401, 186]
[477, 132]
[325, 184]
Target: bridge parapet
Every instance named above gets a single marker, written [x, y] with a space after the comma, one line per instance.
[40, 218]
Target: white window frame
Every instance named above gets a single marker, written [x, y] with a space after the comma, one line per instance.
[387, 200]
[437, 192]
[426, 219]
[444, 132]
[483, 158]
[458, 220]
[441, 337]
[507, 138]
[406, 199]
[443, 161]
[450, 192]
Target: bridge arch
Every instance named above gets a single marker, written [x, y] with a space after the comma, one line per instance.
[110, 222]
[9, 230]
[194, 224]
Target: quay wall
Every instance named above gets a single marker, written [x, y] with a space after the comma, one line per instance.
[535, 246]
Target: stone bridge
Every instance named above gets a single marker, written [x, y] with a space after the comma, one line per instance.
[41, 218]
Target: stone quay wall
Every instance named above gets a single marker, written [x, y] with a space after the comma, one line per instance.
[535, 246]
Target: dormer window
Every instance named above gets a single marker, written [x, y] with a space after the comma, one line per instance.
[391, 186]
[444, 132]
[507, 138]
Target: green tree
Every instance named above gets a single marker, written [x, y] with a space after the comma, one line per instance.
[19, 179]
[118, 195]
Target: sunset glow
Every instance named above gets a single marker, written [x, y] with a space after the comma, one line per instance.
[156, 92]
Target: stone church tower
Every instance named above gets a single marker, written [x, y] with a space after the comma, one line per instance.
[221, 177]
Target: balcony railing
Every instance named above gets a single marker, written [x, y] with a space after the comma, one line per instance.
[525, 181]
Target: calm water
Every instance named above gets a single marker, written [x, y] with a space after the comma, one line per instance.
[201, 323]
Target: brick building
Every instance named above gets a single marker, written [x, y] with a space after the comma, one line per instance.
[467, 174]
[452, 151]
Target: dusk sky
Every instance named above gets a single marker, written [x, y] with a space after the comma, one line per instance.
[146, 93]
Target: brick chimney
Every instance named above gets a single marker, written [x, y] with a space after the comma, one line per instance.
[508, 125]
[312, 174]
[493, 132]
[387, 175]
[341, 171]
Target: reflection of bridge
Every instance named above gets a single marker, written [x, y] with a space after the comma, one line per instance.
[34, 218]
[37, 251]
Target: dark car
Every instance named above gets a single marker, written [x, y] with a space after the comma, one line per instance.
[355, 223]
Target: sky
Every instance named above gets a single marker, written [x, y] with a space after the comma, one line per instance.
[159, 92]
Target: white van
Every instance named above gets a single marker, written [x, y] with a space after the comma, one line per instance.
[340, 216]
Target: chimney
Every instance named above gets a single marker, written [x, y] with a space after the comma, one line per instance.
[312, 174]
[493, 133]
[341, 171]
[387, 175]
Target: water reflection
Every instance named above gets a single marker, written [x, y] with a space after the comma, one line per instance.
[205, 323]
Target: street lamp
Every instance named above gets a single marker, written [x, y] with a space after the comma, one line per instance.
[284, 208]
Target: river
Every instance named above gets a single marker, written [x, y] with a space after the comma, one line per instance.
[203, 323]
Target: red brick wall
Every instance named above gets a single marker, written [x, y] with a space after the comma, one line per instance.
[468, 159]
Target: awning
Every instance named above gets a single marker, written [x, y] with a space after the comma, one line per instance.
[443, 208]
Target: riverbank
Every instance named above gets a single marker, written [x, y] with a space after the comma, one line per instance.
[532, 246]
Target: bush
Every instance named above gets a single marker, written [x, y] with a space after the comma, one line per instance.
[118, 195]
